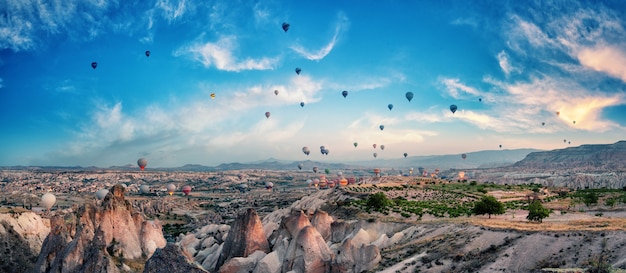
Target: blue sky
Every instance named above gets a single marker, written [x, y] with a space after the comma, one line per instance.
[524, 61]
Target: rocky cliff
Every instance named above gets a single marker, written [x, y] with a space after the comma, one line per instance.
[100, 238]
[599, 156]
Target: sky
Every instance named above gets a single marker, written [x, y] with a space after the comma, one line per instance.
[508, 66]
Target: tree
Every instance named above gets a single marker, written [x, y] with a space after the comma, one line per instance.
[590, 198]
[536, 211]
[488, 205]
[378, 202]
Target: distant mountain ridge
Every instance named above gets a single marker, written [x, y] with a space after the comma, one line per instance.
[591, 156]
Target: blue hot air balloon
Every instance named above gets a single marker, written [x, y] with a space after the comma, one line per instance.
[344, 93]
[381, 127]
[453, 108]
[390, 106]
[302, 104]
[298, 70]
[285, 26]
[409, 96]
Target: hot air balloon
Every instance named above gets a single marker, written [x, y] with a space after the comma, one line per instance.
[574, 122]
[186, 189]
[101, 193]
[94, 65]
[376, 171]
[142, 163]
[565, 140]
[381, 127]
[374, 145]
[375, 155]
[316, 182]
[411, 171]
[500, 146]
[390, 106]
[339, 174]
[298, 70]
[147, 53]
[170, 188]
[343, 182]
[302, 104]
[309, 182]
[300, 166]
[351, 180]
[240, 176]
[453, 108]
[480, 100]
[285, 26]
[382, 147]
[269, 186]
[461, 174]
[405, 154]
[144, 189]
[464, 156]
[355, 144]
[344, 93]
[306, 150]
[327, 171]
[212, 96]
[543, 124]
[276, 92]
[409, 96]
[315, 169]
[558, 113]
[421, 170]
[48, 200]
[267, 114]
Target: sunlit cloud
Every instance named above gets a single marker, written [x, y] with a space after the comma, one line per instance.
[608, 59]
[220, 55]
[316, 55]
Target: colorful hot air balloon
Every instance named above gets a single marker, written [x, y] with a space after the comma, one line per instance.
[212, 96]
[269, 186]
[315, 169]
[101, 193]
[298, 70]
[355, 144]
[327, 171]
[302, 104]
[344, 93]
[390, 106]
[453, 108]
[343, 182]
[267, 114]
[147, 53]
[381, 127]
[374, 145]
[186, 189]
[405, 154]
[285, 26]
[170, 188]
[376, 171]
[276, 92]
[48, 200]
[409, 96]
[142, 163]
[94, 65]
[306, 150]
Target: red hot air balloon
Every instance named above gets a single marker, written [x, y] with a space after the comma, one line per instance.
[142, 163]
[186, 189]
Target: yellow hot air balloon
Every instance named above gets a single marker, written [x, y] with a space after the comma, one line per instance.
[212, 96]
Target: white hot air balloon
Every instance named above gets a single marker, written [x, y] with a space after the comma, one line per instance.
[48, 200]
[100, 194]
[171, 188]
[145, 189]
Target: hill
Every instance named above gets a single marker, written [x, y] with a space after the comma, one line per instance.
[596, 156]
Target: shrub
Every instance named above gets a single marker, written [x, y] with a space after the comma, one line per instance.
[488, 205]
[536, 212]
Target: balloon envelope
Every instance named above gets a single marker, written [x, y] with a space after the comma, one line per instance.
[212, 96]
[374, 145]
[142, 163]
[276, 92]
[355, 144]
[144, 189]
[381, 127]
[390, 106]
[375, 155]
[48, 200]
[405, 154]
[147, 53]
[267, 114]
[306, 150]
[453, 108]
[298, 70]
[100, 194]
[300, 166]
[186, 189]
[170, 188]
[409, 96]
[382, 147]
[464, 156]
[344, 93]
[285, 26]
[94, 65]
[302, 104]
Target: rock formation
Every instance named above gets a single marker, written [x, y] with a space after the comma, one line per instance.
[99, 239]
[244, 238]
[172, 259]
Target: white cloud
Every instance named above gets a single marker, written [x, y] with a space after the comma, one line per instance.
[607, 59]
[465, 21]
[505, 63]
[1, 81]
[220, 55]
[458, 90]
[316, 55]
[172, 10]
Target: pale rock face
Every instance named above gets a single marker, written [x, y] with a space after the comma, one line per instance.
[269, 264]
[101, 232]
[322, 221]
[310, 253]
[171, 259]
[241, 264]
[213, 255]
[356, 257]
[30, 226]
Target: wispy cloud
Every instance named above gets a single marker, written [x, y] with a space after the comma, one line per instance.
[220, 55]
[316, 55]
[465, 21]
[457, 90]
[1, 83]
[505, 63]
[172, 10]
[608, 59]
